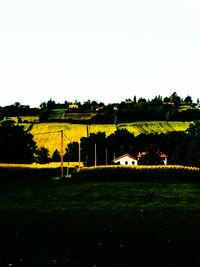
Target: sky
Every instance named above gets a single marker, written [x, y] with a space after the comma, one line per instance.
[107, 50]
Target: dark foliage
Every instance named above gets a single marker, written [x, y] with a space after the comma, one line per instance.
[42, 155]
[88, 149]
[56, 157]
[182, 148]
[71, 153]
[16, 145]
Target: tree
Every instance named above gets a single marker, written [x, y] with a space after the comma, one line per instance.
[188, 99]
[44, 115]
[42, 155]
[166, 99]
[16, 144]
[88, 145]
[157, 101]
[174, 98]
[194, 129]
[192, 157]
[71, 153]
[172, 114]
[152, 156]
[120, 142]
[56, 157]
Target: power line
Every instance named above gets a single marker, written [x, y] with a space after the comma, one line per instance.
[62, 147]
[53, 133]
[67, 137]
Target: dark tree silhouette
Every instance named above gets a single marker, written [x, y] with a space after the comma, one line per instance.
[56, 157]
[194, 129]
[42, 155]
[16, 145]
[71, 153]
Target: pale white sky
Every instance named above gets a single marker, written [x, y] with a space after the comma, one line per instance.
[106, 50]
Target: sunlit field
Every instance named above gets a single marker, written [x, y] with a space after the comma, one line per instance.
[155, 126]
[50, 165]
[26, 118]
[48, 134]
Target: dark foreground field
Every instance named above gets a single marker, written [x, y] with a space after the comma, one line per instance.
[66, 223]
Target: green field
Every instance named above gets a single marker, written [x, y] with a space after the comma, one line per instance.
[47, 134]
[78, 116]
[66, 223]
[56, 114]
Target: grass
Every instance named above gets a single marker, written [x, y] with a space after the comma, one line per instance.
[155, 127]
[184, 107]
[78, 116]
[56, 114]
[47, 134]
[66, 223]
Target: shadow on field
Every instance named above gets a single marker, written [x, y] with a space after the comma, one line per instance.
[99, 224]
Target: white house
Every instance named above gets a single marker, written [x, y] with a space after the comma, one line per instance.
[126, 159]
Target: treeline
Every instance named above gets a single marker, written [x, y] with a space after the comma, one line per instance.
[172, 108]
[182, 148]
[17, 110]
[18, 146]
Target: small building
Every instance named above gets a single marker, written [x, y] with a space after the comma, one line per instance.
[126, 159]
[73, 106]
[160, 154]
[163, 157]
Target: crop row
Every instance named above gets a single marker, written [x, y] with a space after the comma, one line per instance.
[139, 173]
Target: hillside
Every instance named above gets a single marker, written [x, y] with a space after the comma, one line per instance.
[48, 134]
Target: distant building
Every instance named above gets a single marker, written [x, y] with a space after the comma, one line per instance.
[73, 106]
[160, 154]
[126, 159]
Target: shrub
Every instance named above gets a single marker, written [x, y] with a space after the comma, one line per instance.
[28, 174]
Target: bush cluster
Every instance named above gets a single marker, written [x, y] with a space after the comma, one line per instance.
[27, 173]
[138, 173]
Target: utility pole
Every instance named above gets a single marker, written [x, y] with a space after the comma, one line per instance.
[87, 130]
[106, 156]
[79, 155]
[95, 154]
[61, 149]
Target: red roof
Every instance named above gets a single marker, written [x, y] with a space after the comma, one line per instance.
[141, 155]
[160, 154]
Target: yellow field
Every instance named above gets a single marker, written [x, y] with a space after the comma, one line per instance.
[48, 134]
[155, 127]
[40, 166]
[26, 118]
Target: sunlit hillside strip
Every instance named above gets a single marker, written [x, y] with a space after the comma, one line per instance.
[48, 134]
[26, 119]
[155, 126]
[41, 166]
